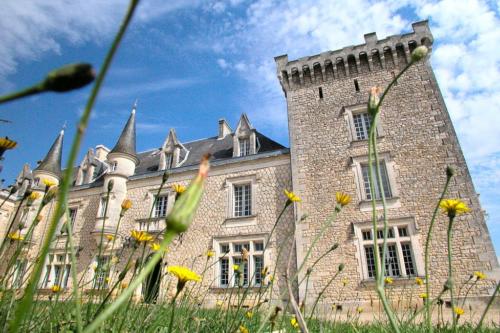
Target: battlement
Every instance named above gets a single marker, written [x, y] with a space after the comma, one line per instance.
[351, 61]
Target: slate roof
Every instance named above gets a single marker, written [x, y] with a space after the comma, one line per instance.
[126, 142]
[219, 149]
[52, 161]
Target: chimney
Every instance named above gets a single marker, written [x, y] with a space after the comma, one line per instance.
[224, 129]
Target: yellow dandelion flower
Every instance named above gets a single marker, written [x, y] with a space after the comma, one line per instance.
[236, 267]
[110, 237]
[15, 236]
[107, 279]
[419, 281]
[343, 199]
[292, 197]
[154, 246]
[34, 195]
[389, 280]
[294, 322]
[479, 275]
[219, 303]
[249, 314]
[177, 188]
[210, 253]
[452, 207]
[126, 204]
[55, 288]
[265, 270]
[48, 182]
[345, 281]
[458, 311]
[243, 329]
[423, 295]
[141, 236]
[359, 309]
[183, 274]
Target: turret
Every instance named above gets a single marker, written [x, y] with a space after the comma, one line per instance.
[122, 160]
[50, 167]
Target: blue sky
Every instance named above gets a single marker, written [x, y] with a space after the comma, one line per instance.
[192, 62]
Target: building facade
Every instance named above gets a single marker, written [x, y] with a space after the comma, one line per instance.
[326, 97]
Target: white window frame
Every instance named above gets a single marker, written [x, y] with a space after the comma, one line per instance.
[244, 146]
[242, 202]
[97, 280]
[349, 113]
[61, 261]
[19, 272]
[412, 238]
[156, 200]
[169, 160]
[357, 169]
[102, 206]
[234, 257]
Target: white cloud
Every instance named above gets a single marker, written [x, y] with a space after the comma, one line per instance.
[222, 63]
[147, 87]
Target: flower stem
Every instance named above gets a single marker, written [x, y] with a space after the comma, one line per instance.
[36, 89]
[25, 305]
[450, 273]
[426, 264]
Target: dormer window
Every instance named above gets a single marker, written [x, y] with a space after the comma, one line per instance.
[169, 160]
[84, 175]
[244, 146]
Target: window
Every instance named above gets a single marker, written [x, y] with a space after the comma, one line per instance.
[18, 276]
[84, 175]
[242, 200]
[102, 207]
[362, 122]
[385, 181]
[36, 181]
[71, 219]
[101, 272]
[114, 165]
[230, 253]
[400, 256]
[57, 271]
[244, 146]
[169, 160]
[359, 122]
[160, 209]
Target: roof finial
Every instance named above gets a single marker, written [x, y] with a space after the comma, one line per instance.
[134, 107]
[64, 126]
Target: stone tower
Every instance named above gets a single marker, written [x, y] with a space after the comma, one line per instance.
[326, 98]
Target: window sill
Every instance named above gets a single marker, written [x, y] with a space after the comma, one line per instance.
[366, 205]
[225, 289]
[362, 142]
[240, 221]
[397, 281]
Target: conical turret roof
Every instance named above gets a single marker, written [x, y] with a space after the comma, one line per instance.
[126, 142]
[52, 161]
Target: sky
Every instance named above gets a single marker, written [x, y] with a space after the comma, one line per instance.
[189, 63]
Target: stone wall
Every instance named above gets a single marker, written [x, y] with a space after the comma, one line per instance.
[416, 137]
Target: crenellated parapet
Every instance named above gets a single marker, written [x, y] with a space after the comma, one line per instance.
[352, 61]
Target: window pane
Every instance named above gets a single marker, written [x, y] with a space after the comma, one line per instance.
[403, 232]
[240, 262]
[66, 276]
[242, 200]
[390, 233]
[102, 207]
[72, 216]
[258, 246]
[408, 259]
[367, 234]
[370, 261]
[169, 160]
[244, 147]
[224, 248]
[161, 206]
[224, 272]
[391, 261]
[385, 181]
[258, 266]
